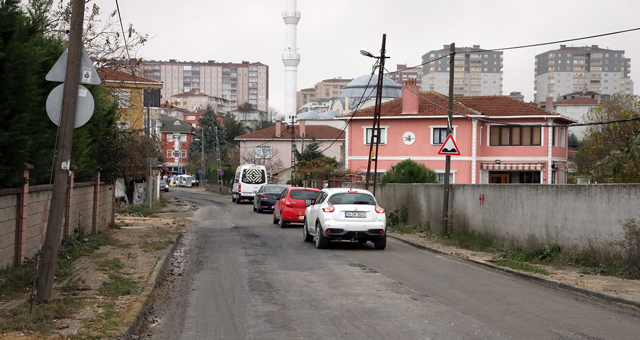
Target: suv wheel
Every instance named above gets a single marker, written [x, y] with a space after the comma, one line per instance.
[321, 241]
[380, 243]
[305, 233]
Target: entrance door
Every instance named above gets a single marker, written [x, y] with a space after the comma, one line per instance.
[499, 177]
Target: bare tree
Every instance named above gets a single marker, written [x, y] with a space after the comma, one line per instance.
[271, 161]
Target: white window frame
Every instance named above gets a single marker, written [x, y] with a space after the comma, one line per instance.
[170, 154]
[183, 138]
[433, 127]
[452, 174]
[383, 134]
[124, 98]
[183, 153]
[259, 151]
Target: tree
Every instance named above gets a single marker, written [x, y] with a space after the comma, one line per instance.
[310, 152]
[273, 161]
[246, 106]
[409, 171]
[602, 140]
[272, 115]
[233, 128]
[573, 142]
[619, 166]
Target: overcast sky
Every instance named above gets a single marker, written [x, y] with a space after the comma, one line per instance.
[331, 32]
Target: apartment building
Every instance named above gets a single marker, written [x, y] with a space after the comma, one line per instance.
[236, 82]
[328, 88]
[574, 69]
[193, 101]
[404, 73]
[477, 72]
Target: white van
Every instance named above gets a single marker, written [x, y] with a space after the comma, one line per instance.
[185, 180]
[249, 178]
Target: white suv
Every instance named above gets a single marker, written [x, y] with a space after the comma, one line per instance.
[345, 214]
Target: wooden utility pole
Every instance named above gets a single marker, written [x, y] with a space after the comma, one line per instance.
[62, 162]
[375, 131]
[447, 170]
[293, 152]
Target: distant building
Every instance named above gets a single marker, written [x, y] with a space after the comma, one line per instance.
[236, 82]
[251, 119]
[176, 135]
[517, 96]
[404, 73]
[574, 69]
[576, 105]
[326, 89]
[477, 72]
[199, 101]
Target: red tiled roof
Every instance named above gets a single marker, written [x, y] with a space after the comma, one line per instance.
[190, 94]
[311, 131]
[502, 106]
[394, 107]
[579, 101]
[113, 75]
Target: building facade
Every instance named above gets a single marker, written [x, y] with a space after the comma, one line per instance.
[490, 152]
[176, 135]
[589, 68]
[404, 73]
[477, 72]
[326, 89]
[236, 82]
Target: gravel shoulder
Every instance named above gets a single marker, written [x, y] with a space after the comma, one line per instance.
[609, 288]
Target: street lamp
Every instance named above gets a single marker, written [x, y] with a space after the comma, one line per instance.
[367, 54]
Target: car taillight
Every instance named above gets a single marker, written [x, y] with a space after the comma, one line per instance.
[287, 203]
[239, 187]
[379, 210]
[263, 196]
[329, 209]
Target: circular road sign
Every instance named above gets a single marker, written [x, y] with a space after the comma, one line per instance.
[220, 173]
[84, 108]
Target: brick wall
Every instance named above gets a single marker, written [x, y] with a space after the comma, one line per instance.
[80, 214]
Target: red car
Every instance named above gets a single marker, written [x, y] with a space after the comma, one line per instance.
[292, 204]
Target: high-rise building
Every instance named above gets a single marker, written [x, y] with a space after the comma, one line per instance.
[236, 82]
[575, 69]
[477, 72]
[404, 73]
[328, 88]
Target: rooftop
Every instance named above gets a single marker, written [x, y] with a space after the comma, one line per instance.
[114, 75]
[319, 132]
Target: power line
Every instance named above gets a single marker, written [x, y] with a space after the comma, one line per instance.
[526, 46]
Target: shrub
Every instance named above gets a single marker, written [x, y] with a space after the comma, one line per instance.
[409, 171]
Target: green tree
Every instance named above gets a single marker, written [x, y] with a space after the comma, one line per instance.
[602, 140]
[409, 171]
[233, 128]
[619, 166]
[311, 151]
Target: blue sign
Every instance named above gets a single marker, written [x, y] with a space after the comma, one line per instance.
[200, 171]
[220, 173]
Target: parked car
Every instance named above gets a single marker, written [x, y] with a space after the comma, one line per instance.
[162, 184]
[267, 196]
[291, 205]
[345, 214]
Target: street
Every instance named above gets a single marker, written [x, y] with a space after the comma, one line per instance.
[243, 277]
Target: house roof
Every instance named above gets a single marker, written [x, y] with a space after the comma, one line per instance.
[319, 132]
[492, 106]
[172, 124]
[113, 75]
[578, 101]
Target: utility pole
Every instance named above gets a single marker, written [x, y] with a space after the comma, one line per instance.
[447, 171]
[294, 171]
[62, 163]
[202, 175]
[375, 131]
[218, 160]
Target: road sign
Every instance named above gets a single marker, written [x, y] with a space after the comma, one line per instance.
[199, 171]
[449, 147]
[84, 108]
[220, 173]
[88, 73]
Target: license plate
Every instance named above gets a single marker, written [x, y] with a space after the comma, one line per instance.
[301, 217]
[271, 207]
[355, 214]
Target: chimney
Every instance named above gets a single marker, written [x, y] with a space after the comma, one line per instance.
[346, 104]
[303, 130]
[410, 100]
[278, 128]
[549, 104]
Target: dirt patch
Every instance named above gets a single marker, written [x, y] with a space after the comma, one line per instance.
[127, 265]
[622, 288]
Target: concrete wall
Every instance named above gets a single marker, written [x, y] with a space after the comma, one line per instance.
[39, 196]
[522, 215]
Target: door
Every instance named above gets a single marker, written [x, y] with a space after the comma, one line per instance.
[499, 177]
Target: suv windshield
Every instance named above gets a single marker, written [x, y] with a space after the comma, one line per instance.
[253, 176]
[273, 190]
[303, 194]
[352, 198]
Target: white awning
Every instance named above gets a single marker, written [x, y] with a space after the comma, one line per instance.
[513, 166]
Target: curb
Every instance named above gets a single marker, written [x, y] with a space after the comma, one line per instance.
[161, 266]
[542, 280]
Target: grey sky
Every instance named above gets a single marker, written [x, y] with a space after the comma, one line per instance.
[331, 32]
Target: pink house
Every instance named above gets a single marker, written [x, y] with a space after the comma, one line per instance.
[530, 150]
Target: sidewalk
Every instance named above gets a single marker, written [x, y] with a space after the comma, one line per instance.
[608, 288]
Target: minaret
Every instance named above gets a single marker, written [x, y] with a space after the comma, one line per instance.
[291, 58]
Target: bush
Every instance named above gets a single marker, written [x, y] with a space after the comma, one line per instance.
[397, 217]
[409, 171]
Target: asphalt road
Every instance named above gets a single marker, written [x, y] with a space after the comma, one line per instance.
[243, 277]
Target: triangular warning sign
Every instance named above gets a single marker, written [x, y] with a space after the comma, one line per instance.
[449, 147]
[88, 74]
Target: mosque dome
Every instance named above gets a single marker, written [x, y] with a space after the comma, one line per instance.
[368, 83]
[307, 115]
[329, 114]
